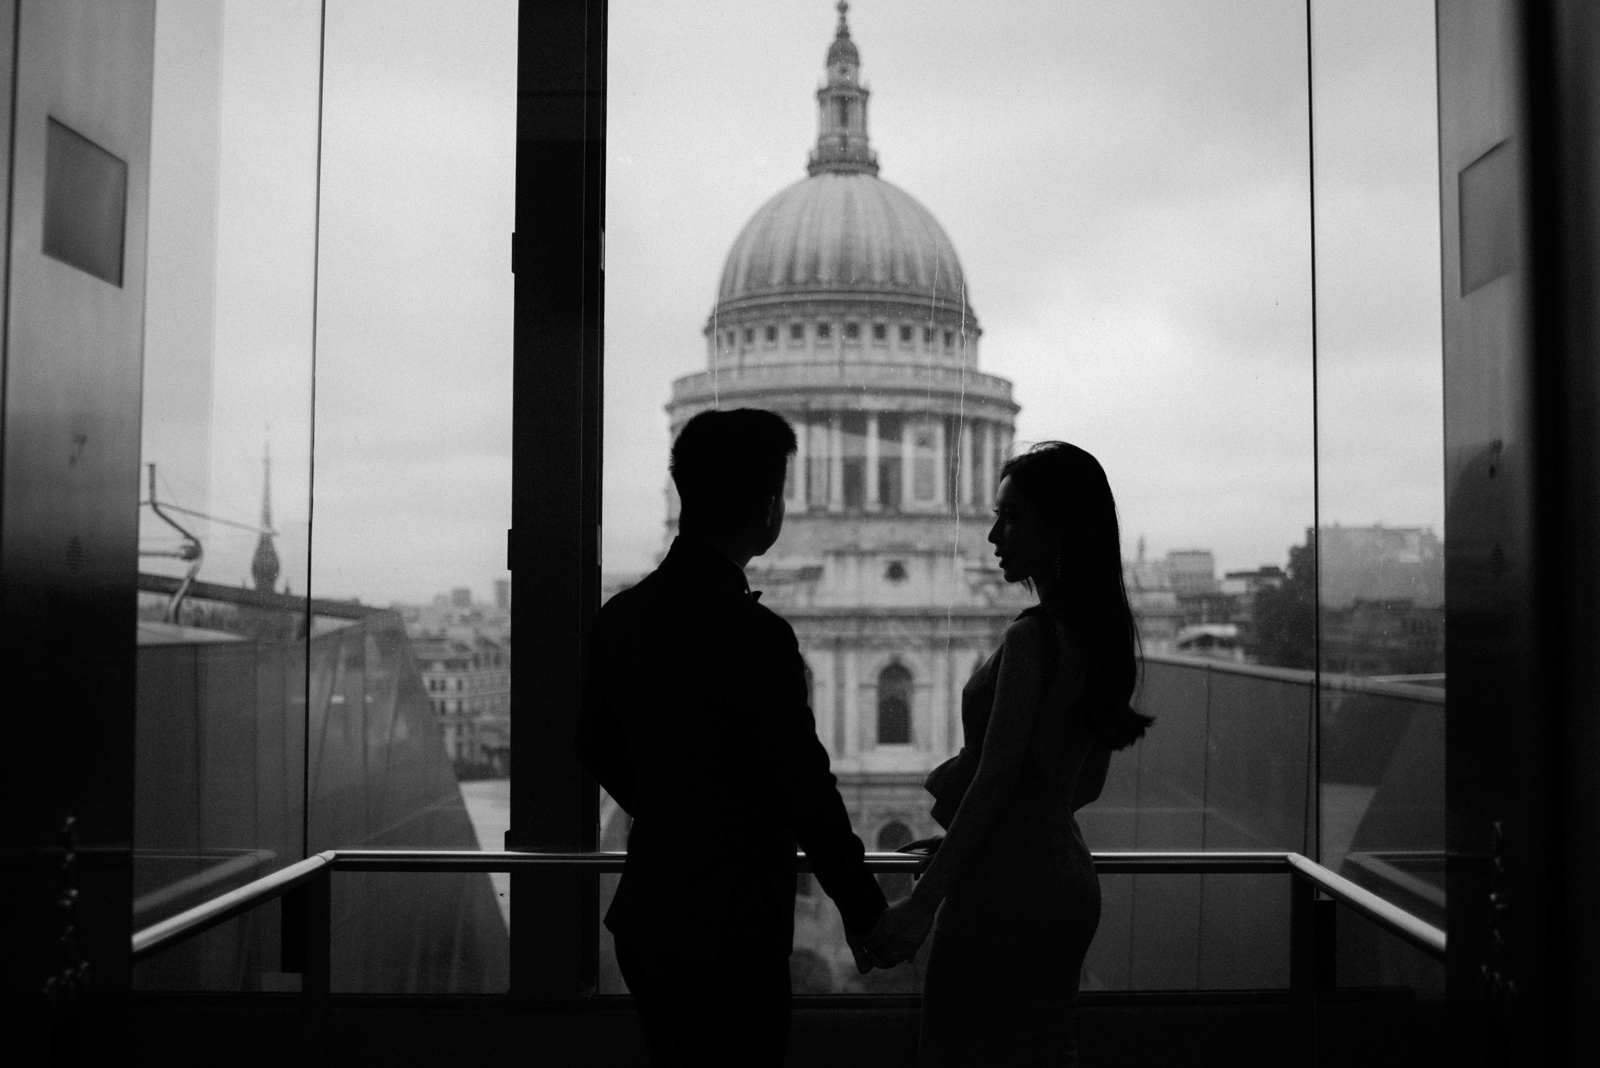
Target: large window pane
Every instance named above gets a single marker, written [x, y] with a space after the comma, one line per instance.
[328, 416]
[227, 489]
[1379, 549]
[413, 464]
[1111, 246]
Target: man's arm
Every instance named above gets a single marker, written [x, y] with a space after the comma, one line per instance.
[795, 770]
[602, 746]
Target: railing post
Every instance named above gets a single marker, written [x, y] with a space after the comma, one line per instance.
[307, 948]
[1312, 934]
[1303, 961]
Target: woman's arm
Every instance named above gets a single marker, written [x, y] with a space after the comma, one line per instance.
[905, 924]
[1018, 693]
[1092, 778]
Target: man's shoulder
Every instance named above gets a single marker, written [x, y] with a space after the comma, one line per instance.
[766, 625]
[770, 619]
[640, 595]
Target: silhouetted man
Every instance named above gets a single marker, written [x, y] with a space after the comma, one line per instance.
[696, 721]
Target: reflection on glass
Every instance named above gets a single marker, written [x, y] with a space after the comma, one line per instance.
[223, 615]
[302, 683]
[1376, 557]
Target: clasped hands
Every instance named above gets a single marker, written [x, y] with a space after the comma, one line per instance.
[896, 937]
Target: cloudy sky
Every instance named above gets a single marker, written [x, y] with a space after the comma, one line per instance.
[399, 273]
[1126, 184]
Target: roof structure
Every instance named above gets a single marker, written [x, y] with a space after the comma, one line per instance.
[843, 231]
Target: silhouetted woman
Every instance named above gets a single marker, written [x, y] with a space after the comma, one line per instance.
[1012, 883]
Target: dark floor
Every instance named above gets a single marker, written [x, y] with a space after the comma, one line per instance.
[1239, 1032]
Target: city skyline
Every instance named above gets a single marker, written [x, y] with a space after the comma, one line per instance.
[1127, 194]
[1125, 187]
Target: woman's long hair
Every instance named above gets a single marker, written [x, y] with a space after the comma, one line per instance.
[1069, 488]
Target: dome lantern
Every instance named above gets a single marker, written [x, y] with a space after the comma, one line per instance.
[842, 146]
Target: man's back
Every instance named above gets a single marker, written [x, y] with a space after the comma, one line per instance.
[696, 722]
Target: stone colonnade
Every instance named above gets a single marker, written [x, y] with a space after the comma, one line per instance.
[894, 462]
[844, 678]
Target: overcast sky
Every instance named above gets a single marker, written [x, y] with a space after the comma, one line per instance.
[402, 278]
[1126, 184]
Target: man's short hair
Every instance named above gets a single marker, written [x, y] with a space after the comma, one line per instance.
[728, 465]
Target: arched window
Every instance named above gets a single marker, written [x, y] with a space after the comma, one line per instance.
[892, 836]
[894, 706]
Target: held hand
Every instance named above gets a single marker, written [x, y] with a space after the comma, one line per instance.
[865, 961]
[901, 930]
[868, 954]
[923, 846]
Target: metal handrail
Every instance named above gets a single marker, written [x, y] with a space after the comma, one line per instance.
[1425, 936]
[191, 922]
[201, 882]
[1405, 691]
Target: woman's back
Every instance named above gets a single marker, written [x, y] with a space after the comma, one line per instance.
[1011, 895]
[1018, 916]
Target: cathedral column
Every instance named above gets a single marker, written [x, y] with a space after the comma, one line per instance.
[797, 485]
[835, 462]
[907, 433]
[988, 464]
[872, 504]
[966, 465]
[941, 483]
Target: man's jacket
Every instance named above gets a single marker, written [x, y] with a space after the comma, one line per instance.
[696, 722]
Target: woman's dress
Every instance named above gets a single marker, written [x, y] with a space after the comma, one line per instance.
[1001, 979]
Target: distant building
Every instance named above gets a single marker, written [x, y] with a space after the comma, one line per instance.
[502, 594]
[1356, 600]
[1154, 603]
[469, 687]
[264, 564]
[1242, 588]
[1247, 583]
[1379, 563]
[1218, 640]
[1395, 638]
[1177, 592]
[464, 653]
[1181, 606]
[446, 617]
[1381, 596]
[1192, 571]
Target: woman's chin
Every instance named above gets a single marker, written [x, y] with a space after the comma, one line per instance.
[1011, 574]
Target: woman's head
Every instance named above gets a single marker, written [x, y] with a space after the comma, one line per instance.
[1056, 528]
[1056, 522]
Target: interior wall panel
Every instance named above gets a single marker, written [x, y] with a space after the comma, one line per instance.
[74, 260]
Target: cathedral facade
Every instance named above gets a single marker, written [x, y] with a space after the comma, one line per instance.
[842, 306]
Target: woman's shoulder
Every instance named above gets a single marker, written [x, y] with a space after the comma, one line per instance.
[1038, 623]
[1048, 636]
[1030, 621]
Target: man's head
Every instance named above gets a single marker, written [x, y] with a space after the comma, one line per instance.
[729, 468]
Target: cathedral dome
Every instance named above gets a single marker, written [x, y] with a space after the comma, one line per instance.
[843, 234]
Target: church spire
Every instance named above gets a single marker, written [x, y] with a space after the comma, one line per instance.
[264, 565]
[842, 111]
